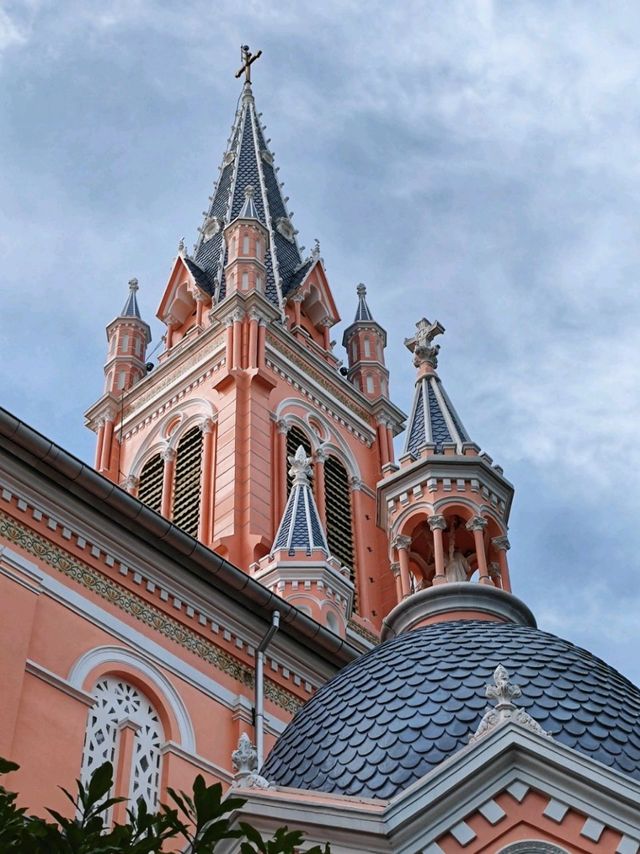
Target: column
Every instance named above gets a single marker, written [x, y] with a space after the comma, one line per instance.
[252, 361]
[131, 484]
[206, 491]
[477, 526]
[171, 328]
[297, 314]
[107, 439]
[395, 570]
[200, 299]
[438, 524]
[228, 323]
[99, 443]
[281, 466]
[401, 544]
[318, 482]
[238, 317]
[262, 343]
[502, 546]
[383, 443]
[357, 516]
[389, 432]
[326, 334]
[169, 457]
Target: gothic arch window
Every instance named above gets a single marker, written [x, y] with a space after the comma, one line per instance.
[295, 438]
[121, 711]
[186, 494]
[150, 486]
[339, 515]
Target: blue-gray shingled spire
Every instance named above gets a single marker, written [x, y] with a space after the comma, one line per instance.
[300, 528]
[130, 308]
[433, 419]
[363, 311]
[248, 161]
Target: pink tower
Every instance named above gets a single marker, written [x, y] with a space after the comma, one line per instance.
[446, 508]
[246, 377]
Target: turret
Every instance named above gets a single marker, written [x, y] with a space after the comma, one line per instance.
[128, 336]
[365, 341]
[446, 510]
[247, 241]
[299, 567]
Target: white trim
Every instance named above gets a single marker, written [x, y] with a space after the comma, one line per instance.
[199, 761]
[102, 655]
[51, 678]
[151, 651]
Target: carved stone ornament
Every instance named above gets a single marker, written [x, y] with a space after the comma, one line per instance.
[425, 352]
[245, 764]
[476, 524]
[300, 469]
[285, 227]
[503, 691]
[501, 543]
[212, 226]
[401, 542]
[437, 523]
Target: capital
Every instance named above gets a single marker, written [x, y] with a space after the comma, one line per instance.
[199, 296]
[168, 454]
[282, 427]
[355, 483]
[208, 425]
[326, 322]
[254, 314]
[395, 569]
[476, 524]
[437, 523]
[238, 315]
[320, 456]
[130, 483]
[502, 543]
[494, 570]
[401, 541]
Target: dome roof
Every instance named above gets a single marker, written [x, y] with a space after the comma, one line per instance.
[397, 712]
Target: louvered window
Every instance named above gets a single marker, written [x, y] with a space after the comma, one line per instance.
[295, 438]
[338, 503]
[150, 487]
[186, 494]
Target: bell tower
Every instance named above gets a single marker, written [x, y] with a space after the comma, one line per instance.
[247, 375]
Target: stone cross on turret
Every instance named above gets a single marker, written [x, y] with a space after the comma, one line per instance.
[425, 352]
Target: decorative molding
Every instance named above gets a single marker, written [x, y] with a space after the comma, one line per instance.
[51, 678]
[503, 691]
[245, 763]
[129, 603]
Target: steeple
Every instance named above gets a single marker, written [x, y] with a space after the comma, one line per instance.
[248, 161]
[299, 567]
[365, 341]
[128, 336]
[433, 422]
[446, 510]
[300, 528]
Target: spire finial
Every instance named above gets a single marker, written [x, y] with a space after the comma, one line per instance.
[503, 691]
[248, 191]
[247, 61]
[300, 469]
[361, 290]
[181, 246]
[133, 285]
[425, 352]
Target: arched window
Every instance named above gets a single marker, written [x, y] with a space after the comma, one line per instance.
[186, 494]
[150, 486]
[295, 438]
[338, 504]
[121, 711]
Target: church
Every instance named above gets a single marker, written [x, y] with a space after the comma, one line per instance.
[250, 584]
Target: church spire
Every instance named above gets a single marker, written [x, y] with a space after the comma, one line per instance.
[300, 528]
[248, 161]
[433, 422]
[365, 341]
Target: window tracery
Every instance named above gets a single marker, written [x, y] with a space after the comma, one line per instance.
[117, 705]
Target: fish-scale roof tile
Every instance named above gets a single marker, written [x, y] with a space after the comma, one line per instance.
[389, 745]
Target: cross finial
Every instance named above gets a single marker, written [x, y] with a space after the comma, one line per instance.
[133, 285]
[361, 290]
[248, 59]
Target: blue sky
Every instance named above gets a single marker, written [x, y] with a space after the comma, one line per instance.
[475, 162]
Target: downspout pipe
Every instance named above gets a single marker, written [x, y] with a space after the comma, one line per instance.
[264, 643]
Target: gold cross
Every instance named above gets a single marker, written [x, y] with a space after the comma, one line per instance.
[247, 60]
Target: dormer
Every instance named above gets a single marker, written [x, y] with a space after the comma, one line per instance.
[310, 306]
[182, 308]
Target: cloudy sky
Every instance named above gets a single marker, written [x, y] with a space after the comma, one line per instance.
[475, 162]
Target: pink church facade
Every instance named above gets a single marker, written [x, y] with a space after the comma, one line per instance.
[245, 533]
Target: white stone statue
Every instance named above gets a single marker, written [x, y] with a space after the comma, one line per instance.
[457, 566]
